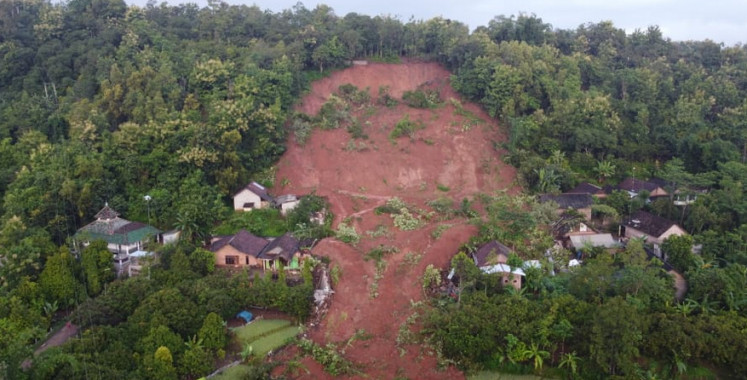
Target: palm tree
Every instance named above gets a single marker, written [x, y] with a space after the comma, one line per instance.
[570, 361]
[539, 355]
[557, 157]
[187, 225]
[604, 170]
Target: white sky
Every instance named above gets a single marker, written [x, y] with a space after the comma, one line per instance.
[717, 20]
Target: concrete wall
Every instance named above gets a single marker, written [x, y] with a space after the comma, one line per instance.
[287, 206]
[220, 257]
[246, 196]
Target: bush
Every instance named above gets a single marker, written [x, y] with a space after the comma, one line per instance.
[405, 221]
[379, 252]
[406, 127]
[385, 99]
[422, 98]
[347, 234]
[301, 127]
[333, 113]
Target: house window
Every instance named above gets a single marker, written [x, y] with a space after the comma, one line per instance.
[247, 260]
[232, 260]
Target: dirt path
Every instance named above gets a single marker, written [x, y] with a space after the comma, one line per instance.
[60, 337]
[452, 157]
[57, 339]
[680, 284]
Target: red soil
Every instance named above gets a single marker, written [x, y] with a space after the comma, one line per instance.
[463, 160]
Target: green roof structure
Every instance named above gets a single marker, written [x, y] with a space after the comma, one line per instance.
[109, 227]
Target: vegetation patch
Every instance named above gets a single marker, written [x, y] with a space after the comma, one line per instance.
[347, 234]
[379, 252]
[406, 127]
[260, 222]
[329, 356]
[373, 289]
[385, 99]
[439, 230]
[273, 341]
[422, 98]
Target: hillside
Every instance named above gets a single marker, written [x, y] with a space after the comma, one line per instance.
[447, 158]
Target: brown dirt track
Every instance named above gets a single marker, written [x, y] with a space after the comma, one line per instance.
[355, 182]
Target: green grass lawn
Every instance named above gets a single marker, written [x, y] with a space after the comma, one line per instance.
[258, 329]
[265, 335]
[272, 341]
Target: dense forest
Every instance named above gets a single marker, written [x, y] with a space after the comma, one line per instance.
[101, 102]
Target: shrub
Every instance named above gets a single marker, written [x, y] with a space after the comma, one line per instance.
[385, 99]
[379, 252]
[301, 128]
[422, 98]
[405, 127]
[405, 221]
[333, 113]
[328, 356]
[347, 234]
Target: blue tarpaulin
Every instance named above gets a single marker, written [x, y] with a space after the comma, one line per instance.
[247, 316]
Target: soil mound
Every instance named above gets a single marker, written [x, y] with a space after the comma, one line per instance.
[454, 155]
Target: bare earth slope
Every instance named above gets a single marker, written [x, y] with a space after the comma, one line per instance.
[453, 156]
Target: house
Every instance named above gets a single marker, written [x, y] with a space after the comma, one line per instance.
[244, 249]
[580, 202]
[285, 249]
[122, 236]
[588, 188]
[286, 203]
[654, 229]
[634, 186]
[251, 197]
[492, 258]
[491, 253]
[239, 250]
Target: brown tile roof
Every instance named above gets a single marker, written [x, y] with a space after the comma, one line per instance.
[284, 247]
[106, 213]
[260, 190]
[585, 188]
[243, 241]
[483, 254]
[564, 201]
[637, 185]
[649, 224]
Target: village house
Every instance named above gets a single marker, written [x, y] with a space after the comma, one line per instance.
[635, 186]
[244, 249]
[239, 250]
[492, 257]
[588, 188]
[125, 239]
[654, 229]
[580, 202]
[252, 196]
